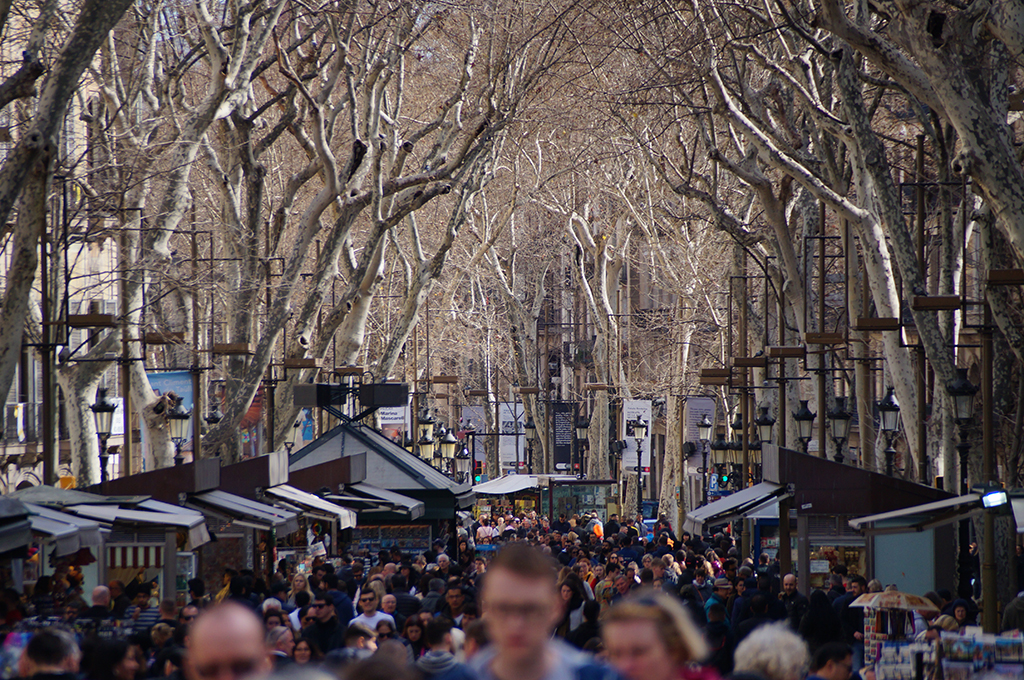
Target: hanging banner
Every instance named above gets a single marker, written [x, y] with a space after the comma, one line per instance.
[631, 410]
[512, 442]
[694, 410]
[563, 432]
[394, 422]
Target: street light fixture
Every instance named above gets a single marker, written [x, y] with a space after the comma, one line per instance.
[765, 422]
[639, 434]
[178, 421]
[804, 418]
[291, 438]
[737, 432]
[103, 412]
[962, 390]
[839, 420]
[463, 464]
[582, 425]
[889, 412]
[704, 434]
[425, 425]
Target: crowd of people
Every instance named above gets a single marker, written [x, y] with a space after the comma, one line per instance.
[521, 598]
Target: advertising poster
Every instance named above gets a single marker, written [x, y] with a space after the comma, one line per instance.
[631, 409]
[693, 411]
[563, 432]
[163, 382]
[394, 422]
[512, 442]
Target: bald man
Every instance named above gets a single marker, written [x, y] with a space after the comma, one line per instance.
[227, 643]
[100, 609]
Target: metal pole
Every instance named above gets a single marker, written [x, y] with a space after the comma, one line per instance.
[639, 477]
[197, 391]
[964, 583]
[990, 619]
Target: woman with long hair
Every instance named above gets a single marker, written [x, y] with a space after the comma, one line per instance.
[299, 584]
[413, 634]
[306, 651]
[821, 623]
[653, 638]
[573, 597]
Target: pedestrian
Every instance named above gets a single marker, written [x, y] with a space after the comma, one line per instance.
[227, 643]
[832, 662]
[821, 623]
[720, 594]
[439, 662]
[413, 635]
[327, 631]
[521, 604]
[281, 644]
[51, 654]
[794, 601]
[306, 651]
[852, 619]
[653, 638]
[112, 660]
[772, 652]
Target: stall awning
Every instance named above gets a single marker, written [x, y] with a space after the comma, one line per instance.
[733, 506]
[246, 512]
[920, 517]
[169, 516]
[67, 532]
[507, 484]
[398, 502]
[308, 501]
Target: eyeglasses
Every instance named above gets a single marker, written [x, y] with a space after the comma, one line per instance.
[320, 606]
[368, 599]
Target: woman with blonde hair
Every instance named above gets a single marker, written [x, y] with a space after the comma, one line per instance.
[773, 652]
[299, 583]
[653, 638]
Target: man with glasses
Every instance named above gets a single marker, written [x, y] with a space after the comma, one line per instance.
[370, 616]
[227, 644]
[188, 614]
[326, 630]
[522, 606]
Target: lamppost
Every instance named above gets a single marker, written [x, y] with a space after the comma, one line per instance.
[765, 422]
[212, 418]
[292, 436]
[178, 421]
[531, 435]
[962, 390]
[639, 434]
[704, 434]
[804, 418]
[889, 412]
[448, 445]
[839, 419]
[425, 429]
[463, 464]
[582, 425]
[103, 412]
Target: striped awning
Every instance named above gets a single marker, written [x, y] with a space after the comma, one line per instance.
[135, 556]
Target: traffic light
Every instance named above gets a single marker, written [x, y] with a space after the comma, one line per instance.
[723, 475]
[478, 471]
[737, 475]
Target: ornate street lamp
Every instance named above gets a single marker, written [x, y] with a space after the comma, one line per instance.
[704, 434]
[962, 390]
[103, 412]
[839, 420]
[639, 434]
[582, 425]
[765, 422]
[425, 426]
[737, 432]
[804, 418]
[178, 421]
[463, 464]
[889, 412]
